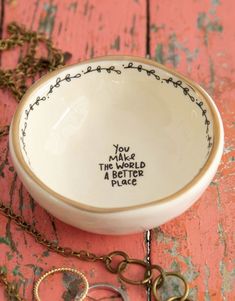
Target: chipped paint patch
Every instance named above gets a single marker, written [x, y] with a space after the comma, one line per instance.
[171, 53]
[171, 287]
[47, 20]
[12, 244]
[222, 237]
[228, 279]
[207, 25]
[5, 240]
[36, 269]
[159, 56]
[173, 56]
[116, 43]
[215, 2]
[173, 245]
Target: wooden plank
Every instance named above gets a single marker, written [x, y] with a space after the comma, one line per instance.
[197, 38]
[86, 28]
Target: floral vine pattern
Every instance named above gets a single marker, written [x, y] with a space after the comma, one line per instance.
[138, 67]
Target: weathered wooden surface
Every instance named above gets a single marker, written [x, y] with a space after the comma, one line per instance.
[196, 38]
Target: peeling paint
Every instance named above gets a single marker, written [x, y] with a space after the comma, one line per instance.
[172, 53]
[204, 23]
[159, 56]
[191, 273]
[5, 240]
[16, 271]
[46, 23]
[171, 287]
[36, 269]
[9, 256]
[46, 253]
[116, 43]
[222, 237]
[215, 2]
[228, 279]
[12, 244]
[219, 203]
[173, 56]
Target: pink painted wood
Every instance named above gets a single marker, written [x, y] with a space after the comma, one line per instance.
[196, 38]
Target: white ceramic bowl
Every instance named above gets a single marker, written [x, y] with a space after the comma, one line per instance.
[116, 145]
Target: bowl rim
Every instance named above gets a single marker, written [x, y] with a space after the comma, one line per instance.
[217, 136]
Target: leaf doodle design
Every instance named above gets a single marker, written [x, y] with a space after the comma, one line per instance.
[68, 78]
[140, 68]
[112, 69]
[198, 102]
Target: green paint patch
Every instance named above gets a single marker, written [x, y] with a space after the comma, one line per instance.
[16, 270]
[12, 244]
[5, 240]
[46, 253]
[3, 269]
[215, 26]
[171, 287]
[204, 23]
[175, 266]
[47, 23]
[9, 256]
[215, 2]
[173, 56]
[36, 269]
[228, 278]
[159, 56]
[116, 44]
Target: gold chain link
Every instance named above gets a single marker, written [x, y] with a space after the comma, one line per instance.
[16, 81]
[31, 65]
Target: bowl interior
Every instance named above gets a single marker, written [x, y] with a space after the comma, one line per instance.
[115, 133]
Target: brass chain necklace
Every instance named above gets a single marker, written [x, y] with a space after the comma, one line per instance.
[16, 81]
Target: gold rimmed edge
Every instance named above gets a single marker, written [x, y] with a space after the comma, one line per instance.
[217, 135]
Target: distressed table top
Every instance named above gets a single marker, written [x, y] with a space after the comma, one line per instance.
[197, 38]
